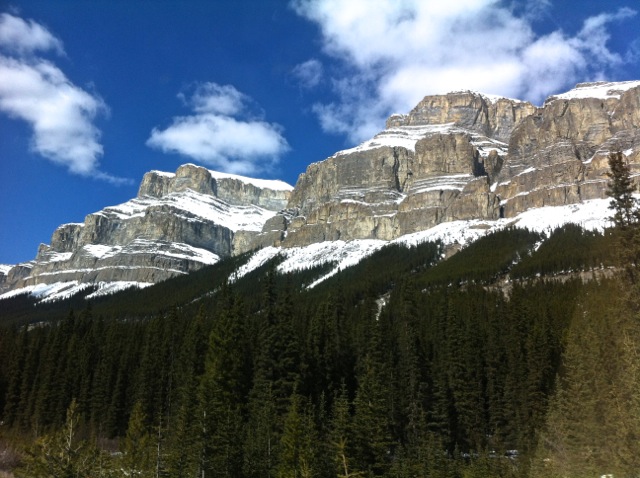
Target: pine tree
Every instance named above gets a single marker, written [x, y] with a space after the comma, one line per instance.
[222, 391]
[371, 425]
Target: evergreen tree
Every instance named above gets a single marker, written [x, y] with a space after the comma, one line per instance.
[62, 454]
[184, 455]
[626, 215]
[371, 425]
[296, 451]
[222, 392]
[137, 446]
[593, 422]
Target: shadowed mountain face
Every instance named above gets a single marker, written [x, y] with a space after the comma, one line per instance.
[463, 155]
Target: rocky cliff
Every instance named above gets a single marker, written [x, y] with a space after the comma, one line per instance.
[466, 155]
[176, 224]
[463, 155]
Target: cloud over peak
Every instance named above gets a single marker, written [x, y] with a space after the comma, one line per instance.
[221, 132]
[393, 53]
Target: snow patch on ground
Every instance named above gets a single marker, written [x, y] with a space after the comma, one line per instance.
[64, 290]
[591, 215]
[108, 288]
[5, 268]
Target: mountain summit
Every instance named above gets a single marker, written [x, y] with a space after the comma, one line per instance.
[459, 156]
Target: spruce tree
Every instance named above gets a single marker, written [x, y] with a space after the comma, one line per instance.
[137, 446]
[626, 215]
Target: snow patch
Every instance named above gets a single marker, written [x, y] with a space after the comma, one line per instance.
[591, 215]
[600, 90]
[526, 171]
[108, 288]
[274, 184]
[195, 207]
[164, 174]
[59, 256]
[5, 268]
[399, 136]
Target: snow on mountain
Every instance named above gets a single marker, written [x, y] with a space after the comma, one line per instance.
[196, 206]
[274, 184]
[400, 136]
[173, 249]
[591, 215]
[600, 90]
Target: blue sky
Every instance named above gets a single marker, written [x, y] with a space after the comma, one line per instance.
[93, 94]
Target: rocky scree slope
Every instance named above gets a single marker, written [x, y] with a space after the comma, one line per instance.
[177, 223]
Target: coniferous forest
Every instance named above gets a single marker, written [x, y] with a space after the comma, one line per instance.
[516, 357]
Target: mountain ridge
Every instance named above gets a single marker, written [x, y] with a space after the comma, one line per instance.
[462, 156]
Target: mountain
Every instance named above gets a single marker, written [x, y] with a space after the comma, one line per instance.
[177, 223]
[463, 156]
[466, 155]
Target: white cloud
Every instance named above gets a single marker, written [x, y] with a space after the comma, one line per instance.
[309, 73]
[392, 53]
[216, 99]
[20, 36]
[35, 90]
[221, 134]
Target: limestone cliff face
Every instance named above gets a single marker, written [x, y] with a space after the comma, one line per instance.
[429, 166]
[463, 156]
[177, 223]
[559, 154]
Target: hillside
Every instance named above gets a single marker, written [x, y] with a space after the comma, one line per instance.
[403, 363]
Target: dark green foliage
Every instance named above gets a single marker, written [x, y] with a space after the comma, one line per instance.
[568, 248]
[485, 259]
[395, 367]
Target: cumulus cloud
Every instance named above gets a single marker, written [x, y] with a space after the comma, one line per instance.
[35, 90]
[222, 133]
[392, 53]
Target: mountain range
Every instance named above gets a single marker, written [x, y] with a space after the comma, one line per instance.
[456, 166]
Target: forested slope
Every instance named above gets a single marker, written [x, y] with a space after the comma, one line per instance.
[404, 365]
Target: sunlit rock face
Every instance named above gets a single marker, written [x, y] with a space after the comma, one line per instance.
[466, 155]
[178, 223]
[458, 156]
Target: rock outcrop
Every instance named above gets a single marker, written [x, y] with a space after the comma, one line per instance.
[176, 224]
